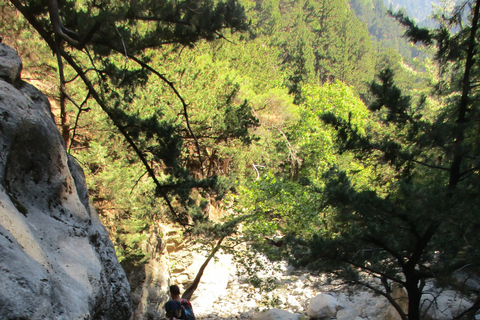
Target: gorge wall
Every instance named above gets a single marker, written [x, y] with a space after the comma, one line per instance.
[56, 259]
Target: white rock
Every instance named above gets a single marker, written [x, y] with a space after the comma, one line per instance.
[323, 306]
[346, 314]
[370, 312]
[299, 284]
[292, 302]
[251, 304]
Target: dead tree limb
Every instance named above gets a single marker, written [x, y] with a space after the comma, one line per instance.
[187, 294]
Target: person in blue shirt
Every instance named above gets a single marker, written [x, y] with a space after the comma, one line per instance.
[173, 309]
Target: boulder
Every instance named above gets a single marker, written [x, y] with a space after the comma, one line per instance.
[276, 314]
[444, 304]
[57, 261]
[323, 306]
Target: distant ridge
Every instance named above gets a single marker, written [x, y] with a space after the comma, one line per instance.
[420, 10]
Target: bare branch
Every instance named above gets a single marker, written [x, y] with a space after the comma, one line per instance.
[138, 180]
[62, 95]
[430, 166]
[77, 118]
[187, 294]
[255, 167]
[58, 27]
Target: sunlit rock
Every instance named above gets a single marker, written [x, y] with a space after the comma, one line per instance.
[323, 306]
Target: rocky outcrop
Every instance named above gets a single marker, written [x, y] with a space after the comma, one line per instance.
[57, 261]
[150, 282]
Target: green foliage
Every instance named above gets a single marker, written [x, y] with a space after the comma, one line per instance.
[106, 50]
[281, 206]
[128, 243]
[315, 142]
[401, 231]
[219, 79]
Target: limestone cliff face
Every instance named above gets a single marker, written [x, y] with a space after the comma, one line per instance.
[56, 260]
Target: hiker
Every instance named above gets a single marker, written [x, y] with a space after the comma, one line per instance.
[173, 310]
[187, 309]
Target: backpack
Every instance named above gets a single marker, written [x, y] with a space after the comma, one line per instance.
[187, 310]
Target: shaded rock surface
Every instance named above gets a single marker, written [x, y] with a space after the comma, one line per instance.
[150, 282]
[323, 306]
[57, 261]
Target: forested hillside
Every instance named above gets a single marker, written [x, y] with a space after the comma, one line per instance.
[310, 125]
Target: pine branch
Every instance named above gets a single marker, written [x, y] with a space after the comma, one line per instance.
[177, 93]
[161, 19]
[122, 130]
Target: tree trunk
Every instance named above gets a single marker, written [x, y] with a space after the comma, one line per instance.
[187, 294]
[64, 127]
[414, 298]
